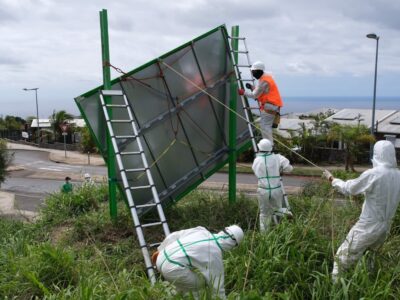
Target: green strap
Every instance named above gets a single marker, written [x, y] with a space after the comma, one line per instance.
[264, 154]
[171, 261]
[269, 188]
[266, 177]
[184, 251]
[216, 241]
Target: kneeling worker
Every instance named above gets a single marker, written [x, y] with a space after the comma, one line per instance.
[191, 259]
[381, 188]
[267, 166]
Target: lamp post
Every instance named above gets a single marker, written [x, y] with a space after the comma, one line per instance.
[375, 37]
[37, 112]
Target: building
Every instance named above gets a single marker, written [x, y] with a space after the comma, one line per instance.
[387, 122]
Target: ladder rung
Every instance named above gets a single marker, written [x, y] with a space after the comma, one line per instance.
[141, 187]
[112, 92]
[146, 205]
[247, 79]
[151, 224]
[117, 105]
[121, 121]
[243, 66]
[125, 136]
[154, 245]
[135, 170]
[237, 38]
[131, 153]
[240, 51]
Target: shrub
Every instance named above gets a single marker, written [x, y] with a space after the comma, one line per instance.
[5, 160]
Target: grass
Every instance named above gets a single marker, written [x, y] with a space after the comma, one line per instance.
[74, 251]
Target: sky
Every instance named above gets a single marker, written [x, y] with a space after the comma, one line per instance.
[314, 48]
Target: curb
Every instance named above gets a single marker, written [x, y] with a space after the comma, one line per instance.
[7, 209]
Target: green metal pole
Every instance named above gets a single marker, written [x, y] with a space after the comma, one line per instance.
[112, 187]
[233, 120]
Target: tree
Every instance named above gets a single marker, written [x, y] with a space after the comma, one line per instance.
[11, 123]
[5, 160]
[354, 138]
[58, 118]
[87, 141]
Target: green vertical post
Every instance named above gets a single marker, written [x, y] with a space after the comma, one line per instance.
[232, 119]
[112, 187]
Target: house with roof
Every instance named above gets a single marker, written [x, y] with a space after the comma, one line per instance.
[387, 122]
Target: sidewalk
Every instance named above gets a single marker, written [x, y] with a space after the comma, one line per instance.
[72, 157]
[8, 210]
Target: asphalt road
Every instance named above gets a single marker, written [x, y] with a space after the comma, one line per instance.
[30, 191]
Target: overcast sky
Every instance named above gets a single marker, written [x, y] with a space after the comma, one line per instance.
[313, 48]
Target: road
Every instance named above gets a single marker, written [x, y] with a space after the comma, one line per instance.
[39, 177]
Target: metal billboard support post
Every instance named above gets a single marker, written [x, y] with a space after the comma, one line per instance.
[65, 143]
[64, 129]
[112, 187]
[232, 120]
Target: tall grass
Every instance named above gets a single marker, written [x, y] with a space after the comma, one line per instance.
[74, 251]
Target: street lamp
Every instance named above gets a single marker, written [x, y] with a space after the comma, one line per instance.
[375, 37]
[37, 112]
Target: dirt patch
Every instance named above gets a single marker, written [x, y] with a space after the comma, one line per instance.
[60, 233]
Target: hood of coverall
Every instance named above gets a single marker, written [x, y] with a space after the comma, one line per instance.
[234, 235]
[384, 155]
[265, 145]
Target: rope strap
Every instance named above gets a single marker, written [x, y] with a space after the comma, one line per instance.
[269, 188]
[184, 251]
[172, 261]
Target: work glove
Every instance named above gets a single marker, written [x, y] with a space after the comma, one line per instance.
[241, 92]
[154, 257]
[249, 86]
[327, 175]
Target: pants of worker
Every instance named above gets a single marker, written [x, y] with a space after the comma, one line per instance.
[364, 235]
[268, 206]
[184, 279]
[266, 122]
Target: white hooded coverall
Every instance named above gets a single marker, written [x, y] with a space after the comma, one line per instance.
[381, 187]
[191, 259]
[267, 167]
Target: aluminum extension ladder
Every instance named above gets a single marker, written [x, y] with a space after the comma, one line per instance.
[123, 172]
[247, 109]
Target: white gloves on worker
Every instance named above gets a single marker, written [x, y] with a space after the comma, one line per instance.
[327, 175]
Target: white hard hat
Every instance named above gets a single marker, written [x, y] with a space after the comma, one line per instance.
[265, 145]
[236, 232]
[258, 65]
[87, 175]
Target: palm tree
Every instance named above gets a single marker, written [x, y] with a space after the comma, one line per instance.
[354, 138]
[59, 118]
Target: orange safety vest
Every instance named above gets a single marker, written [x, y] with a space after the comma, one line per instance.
[273, 97]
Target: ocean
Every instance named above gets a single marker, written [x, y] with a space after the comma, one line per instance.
[305, 104]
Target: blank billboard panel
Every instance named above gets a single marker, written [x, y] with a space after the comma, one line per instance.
[184, 131]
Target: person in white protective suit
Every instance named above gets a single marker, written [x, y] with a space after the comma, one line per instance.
[191, 259]
[268, 166]
[88, 179]
[381, 187]
[268, 97]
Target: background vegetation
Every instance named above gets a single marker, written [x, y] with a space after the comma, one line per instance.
[5, 160]
[74, 251]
